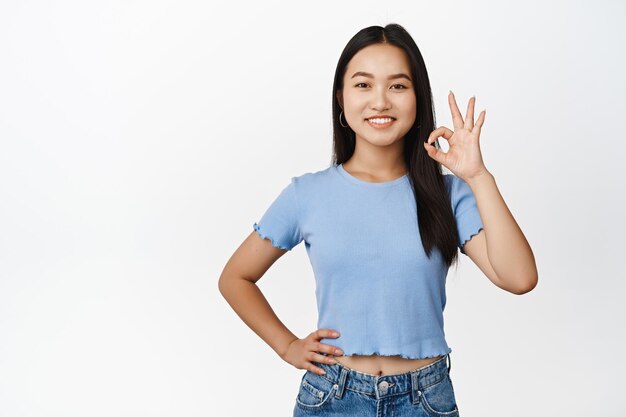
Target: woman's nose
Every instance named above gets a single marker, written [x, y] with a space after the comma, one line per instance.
[380, 101]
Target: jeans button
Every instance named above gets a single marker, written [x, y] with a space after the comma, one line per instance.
[383, 385]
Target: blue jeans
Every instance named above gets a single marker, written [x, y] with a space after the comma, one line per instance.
[342, 391]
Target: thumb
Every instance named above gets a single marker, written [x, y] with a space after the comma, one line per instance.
[433, 152]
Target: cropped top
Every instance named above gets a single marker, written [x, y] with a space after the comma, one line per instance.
[374, 283]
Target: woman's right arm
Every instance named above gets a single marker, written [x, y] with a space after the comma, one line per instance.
[237, 284]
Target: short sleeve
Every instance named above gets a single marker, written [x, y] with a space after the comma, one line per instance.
[465, 211]
[280, 222]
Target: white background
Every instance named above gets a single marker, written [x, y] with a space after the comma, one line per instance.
[140, 140]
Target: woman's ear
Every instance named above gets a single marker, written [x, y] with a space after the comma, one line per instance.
[339, 96]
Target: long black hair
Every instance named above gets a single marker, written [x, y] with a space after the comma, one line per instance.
[435, 218]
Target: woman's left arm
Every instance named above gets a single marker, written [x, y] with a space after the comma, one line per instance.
[506, 247]
[500, 249]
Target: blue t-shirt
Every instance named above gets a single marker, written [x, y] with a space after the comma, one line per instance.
[374, 283]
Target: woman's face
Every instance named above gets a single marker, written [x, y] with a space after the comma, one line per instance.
[368, 91]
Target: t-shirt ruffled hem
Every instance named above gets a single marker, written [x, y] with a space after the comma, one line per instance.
[404, 354]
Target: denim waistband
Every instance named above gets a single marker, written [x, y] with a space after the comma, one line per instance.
[385, 385]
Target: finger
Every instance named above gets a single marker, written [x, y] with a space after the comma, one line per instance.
[323, 333]
[317, 357]
[440, 132]
[323, 347]
[434, 153]
[313, 358]
[457, 117]
[479, 122]
[315, 369]
[332, 350]
[469, 118]
[447, 134]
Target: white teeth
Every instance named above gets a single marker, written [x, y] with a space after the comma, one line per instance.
[380, 121]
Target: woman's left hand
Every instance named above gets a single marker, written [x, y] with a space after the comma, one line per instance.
[463, 157]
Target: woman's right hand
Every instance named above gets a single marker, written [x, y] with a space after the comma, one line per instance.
[302, 352]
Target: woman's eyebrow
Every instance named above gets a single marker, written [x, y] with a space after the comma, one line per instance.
[391, 77]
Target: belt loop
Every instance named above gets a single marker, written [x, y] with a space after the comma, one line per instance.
[449, 363]
[415, 387]
[341, 383]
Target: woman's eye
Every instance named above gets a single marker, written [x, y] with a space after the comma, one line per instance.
[400, 85]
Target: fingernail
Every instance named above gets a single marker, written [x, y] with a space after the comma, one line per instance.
[331, 360]
[323, 372]
[335, 334]
[339, 352]
[451, 92]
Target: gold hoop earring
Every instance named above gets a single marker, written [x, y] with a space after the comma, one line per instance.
[344, 118]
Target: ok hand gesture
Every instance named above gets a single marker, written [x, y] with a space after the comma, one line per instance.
[463, 157]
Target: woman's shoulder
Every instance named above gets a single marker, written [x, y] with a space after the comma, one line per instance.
[319, 178]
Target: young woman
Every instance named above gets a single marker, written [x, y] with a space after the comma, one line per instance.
[381, 226]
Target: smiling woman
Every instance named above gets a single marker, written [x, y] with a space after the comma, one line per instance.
[382, 225]
[378, 94]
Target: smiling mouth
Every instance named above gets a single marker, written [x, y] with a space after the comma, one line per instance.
[380, 123]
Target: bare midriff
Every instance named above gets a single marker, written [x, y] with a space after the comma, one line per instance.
[383, 365]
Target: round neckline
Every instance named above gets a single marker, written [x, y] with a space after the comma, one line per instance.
[356, 180]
